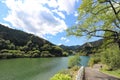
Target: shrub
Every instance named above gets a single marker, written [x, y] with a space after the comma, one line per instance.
[75, 68]
[94, 59]
[91, 62]
[73, 61]
[60, 76]
[66, 71]
[110, 57]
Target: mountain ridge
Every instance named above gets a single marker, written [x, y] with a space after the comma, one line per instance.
[86, 47]
[19, 43]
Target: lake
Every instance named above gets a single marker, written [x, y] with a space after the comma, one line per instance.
[34, 68]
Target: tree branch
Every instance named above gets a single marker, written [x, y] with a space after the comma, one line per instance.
[100, 10]
[115, 12]
[104, 31]
[115, 34]
[116, 24]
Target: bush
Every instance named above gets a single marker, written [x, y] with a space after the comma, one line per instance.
[75, 68]
[110, 57]
[91, 62]
[60, 76]
[66, 71]
[96, 58]
[73, 61]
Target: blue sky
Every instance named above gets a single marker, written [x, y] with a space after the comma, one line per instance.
[45, 18]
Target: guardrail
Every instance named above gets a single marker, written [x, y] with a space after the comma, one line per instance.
[80, 73]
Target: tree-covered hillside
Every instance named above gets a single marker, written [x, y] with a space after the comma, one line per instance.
[85, 49]
[16, 43]
[90, 47]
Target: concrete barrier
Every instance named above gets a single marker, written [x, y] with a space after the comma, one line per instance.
[80, 73]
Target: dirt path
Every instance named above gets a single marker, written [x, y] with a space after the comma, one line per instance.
[94, 74]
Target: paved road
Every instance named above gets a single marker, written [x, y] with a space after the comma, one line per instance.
[94, 74]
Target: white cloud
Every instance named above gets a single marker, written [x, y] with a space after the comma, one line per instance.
[34, 17]
[67, 5]
[52, 3]
[59, 13]
[76, 14]
[64, 39]
[67, 40]
[59, 44]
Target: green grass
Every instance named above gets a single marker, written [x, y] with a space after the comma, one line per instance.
[115, 73]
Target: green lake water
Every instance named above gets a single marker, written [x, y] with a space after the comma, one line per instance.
[34, 68]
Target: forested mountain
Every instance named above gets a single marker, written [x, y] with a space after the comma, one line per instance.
[73, 48]
[90, 47]
[16, 43]
[20, 38]
[86, 48]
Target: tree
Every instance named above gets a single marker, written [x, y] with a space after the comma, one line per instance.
[74, 61]
[6, 44]
[56, 50]
[45, 54]
[98, 18]
[110, 57]
[46, 47]
[65, 53]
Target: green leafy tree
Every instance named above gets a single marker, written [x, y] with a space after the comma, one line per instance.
[45, 54]
[6, 44]
[65, 54]
[35, 55]
[56, 50]
[11, 46]
[46, 47]
[74, 61]
[98, 18]
[94, 59]
[110, 57]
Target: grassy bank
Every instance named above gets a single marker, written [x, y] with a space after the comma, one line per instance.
[115, 73]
